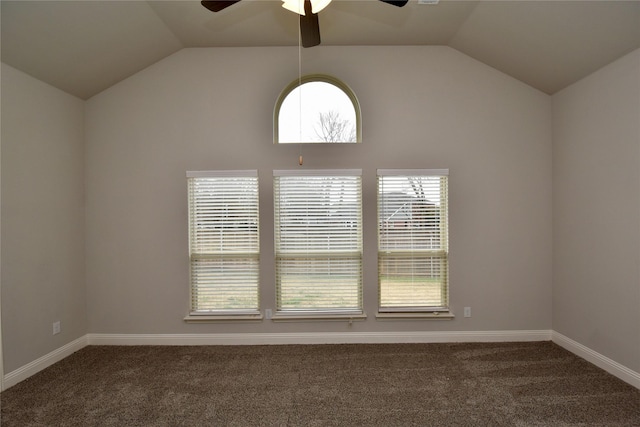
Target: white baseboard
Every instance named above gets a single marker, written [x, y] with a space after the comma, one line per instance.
[20, 374]
[580, 350]
[24, 372]
[318, 338]
[601, 361]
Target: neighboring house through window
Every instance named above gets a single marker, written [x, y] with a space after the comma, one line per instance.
[413, 246]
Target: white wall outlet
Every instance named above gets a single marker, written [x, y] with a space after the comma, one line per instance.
[467, 312]
[56, 327]
[268, 313]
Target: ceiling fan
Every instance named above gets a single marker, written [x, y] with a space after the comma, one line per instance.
[307, 9]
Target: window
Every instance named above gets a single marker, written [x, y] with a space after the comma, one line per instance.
[224, 242]
[318, 242]
[316, 109]
[413, 241]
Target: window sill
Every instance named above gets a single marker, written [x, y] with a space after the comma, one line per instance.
[211, 318]
[300, 317]
[434, 315]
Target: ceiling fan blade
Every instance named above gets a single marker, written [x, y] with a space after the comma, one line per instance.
[218, 5]
[398, 3]
[309, 27]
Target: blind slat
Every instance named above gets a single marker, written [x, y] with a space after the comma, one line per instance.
[413, 240]
[318, 241]
[224, 241]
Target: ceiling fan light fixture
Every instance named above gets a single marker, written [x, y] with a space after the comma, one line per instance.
[297, 6]
[318, 5]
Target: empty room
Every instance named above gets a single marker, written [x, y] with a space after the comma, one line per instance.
[346, 212]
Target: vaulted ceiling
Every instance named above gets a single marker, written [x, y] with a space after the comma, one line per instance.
[83, 47]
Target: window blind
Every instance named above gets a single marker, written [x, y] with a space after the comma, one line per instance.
[318, 241]
[413, 246]
[224, 247]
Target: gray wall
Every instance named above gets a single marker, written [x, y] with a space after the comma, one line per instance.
[596, 206]
[422, 107]
[42, 218]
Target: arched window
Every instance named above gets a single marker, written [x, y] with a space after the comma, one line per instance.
[317, 109]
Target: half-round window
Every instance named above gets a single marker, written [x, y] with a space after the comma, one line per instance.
[317, 109]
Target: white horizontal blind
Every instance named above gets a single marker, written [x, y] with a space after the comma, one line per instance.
[318, 241]
[224, 245]
[413, 248]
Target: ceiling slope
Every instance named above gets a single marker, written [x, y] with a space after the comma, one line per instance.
[84, 47]
[550, 44]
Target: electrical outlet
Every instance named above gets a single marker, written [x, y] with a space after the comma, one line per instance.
[268, 313]
[56, 327]
[467, 312]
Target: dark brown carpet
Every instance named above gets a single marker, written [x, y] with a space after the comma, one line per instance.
[479, 384]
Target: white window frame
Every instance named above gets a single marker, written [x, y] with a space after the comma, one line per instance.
[412, 246]
[226, 247]
[308, 104]
[296, 243]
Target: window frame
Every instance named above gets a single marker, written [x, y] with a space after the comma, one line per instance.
[440, 311]
[310, 78]
[284, 254]
[252, 313]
